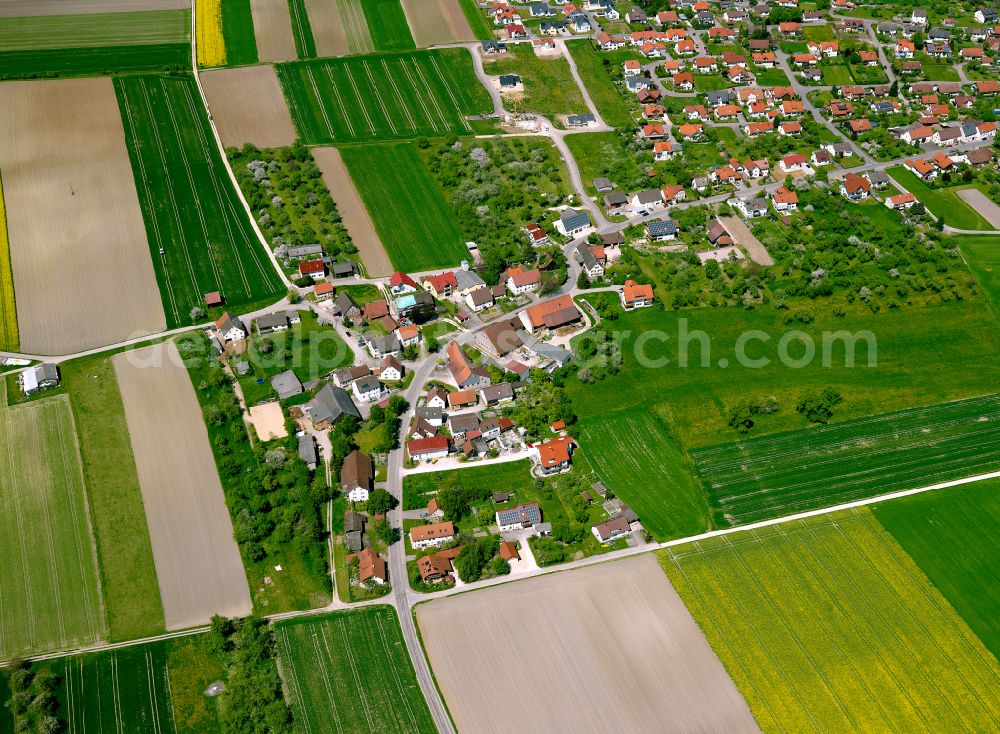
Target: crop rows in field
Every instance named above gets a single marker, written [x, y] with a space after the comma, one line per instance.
[198, 234]
[350, 672]
[795, 471]
[104, 60]
[827, 625]
[92, 31]
[238, 32]
[8, 306]
[414, 222]
[386, 23]
[634, 457]
[305, 45]
[365, 98]
[51, 596]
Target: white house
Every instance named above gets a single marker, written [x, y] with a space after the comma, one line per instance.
[435, 534]
[751, 207]
[231, 328]
[368, 389]
[572, 223]
[611, 530]
[523, 281]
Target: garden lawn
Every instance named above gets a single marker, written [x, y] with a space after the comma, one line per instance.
[828, 625]
[68, 62]
[786, 473]
[771, 78]
[388, 26]
[511, 476]
[237, 32]
[941, 202]
[124, 553]
[633, 455]
[383, 97]
[817, 32]
[198, 234]
[95, 30]
[711, 82]
[608, 98]
[838, 75]
[412, 217]
[549, 86]
[350, 671]
[951, 534]
[982, 254]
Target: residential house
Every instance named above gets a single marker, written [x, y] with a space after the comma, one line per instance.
[465, 374]
[555, 455]
[308, 451]
[434, 534]
[516, 518]
[42, 376]
[523, 281]
[368, 389]
[315, 269]
[357, 476]
[435, 447]
[230, 328]
[330, 405]
[551, 314]
[854, 187]
[784, 200]
[900, 201]
[611, 530]
[591, 265]
[660, 231]
[636, 295]
[372, 567]
[921, 168]
[480, 299]
[572, 223]
[441, 285]
[750, 207]
[391, 369]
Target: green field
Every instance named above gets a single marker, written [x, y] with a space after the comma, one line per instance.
[608, 99]
[93, 61]
[92, 31]
[124, 553]
[817, 32]
[951, 534]
[510, 476]
[305, 44]
[711, 82]
[633, 455]
[198, 233]
[51, 590]
[771, 78]
[477, 19]
[838, 75]
[941, 202]
[412, 217]
[549, 87]
[237, 32]
[828, 625]
[387, 25]
[795, 471]
[351, 672]
[982, 254]
[383, 97]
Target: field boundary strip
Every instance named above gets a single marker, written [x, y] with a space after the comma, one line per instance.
[9, 337]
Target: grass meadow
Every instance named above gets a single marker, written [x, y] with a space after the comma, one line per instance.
[413, 220]
[9, 338]
[198, 234]
[982, 255]
[510, 476]
[633, 455]
[237, 32]
[951, 534]
[51, 590]
[383, 97]
[941, 202]
[305, 43]
[67, 62]
[95, 30]
[549, 87]
[828, 625]
[608, 98]
[387, 25]
[124, 553]
[795, 471]
[350, 671]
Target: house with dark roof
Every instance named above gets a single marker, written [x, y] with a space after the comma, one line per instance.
[286, 384]
[231, 328]
[516, 518]
[357, 476]
[330, 405]
[308, 451]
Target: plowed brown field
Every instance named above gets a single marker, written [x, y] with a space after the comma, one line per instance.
[248, 106]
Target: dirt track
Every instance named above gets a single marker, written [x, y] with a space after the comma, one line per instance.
[606, 648]
[27, 8]
[248, 106]
[434, 22]
[982, 204]
[329, 30]
[83, 274]
[272, 27]
[197, 560]
[352, 209]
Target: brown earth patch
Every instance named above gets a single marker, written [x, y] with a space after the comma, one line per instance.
[329, 30]
[248, 106]
[83, 273]
[435, 22]
[272, 27]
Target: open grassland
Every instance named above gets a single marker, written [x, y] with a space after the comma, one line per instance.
[828, 625]
[69, 62]
[208, 33]
[248, 107]
[412, 218]
[437, 22]
[951, 534]
[91, 31]
[633, 455]
[238, 32]
[926, 355]
[273, 29]
[613, 647]
[941, 202]
[795, 471]
[197, 560]
[608, 99]
[398, 96]
[65, 168]
[51, 593]
[549, 86]
[8, 306]
[198, 233]
[982, 255]
[124, 554]
[351, 672]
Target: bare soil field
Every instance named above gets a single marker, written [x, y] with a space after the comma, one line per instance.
[268, 421]
[248, 106]
[328, 27]
[982, 204]
[434, 22]
[744, 238]
[356, 218]
[272, 27]
[606, 648]
[29, 8]
[197, 560]
[82, 269]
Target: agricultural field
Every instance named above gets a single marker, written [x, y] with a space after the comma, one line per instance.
[95, 31]
[437, 22]
[305, 43]
[209, 38]
[237, 31]
[248, 107]
[8, 306]
[941, 202]
[198, 234]
[32, 8]
[785, 473]
[388, 26]
[621, 654]
[633, 455]
[399, 96]
[549, 86]
[51, 597]
[951, 534]
[350, 671]
[411, 216]
[982, 254]
[276, 37]
[65, 166]
[476, 18]
[101, 61]
[198, 564]
[342, 27]
[828, 625]
[608, 99]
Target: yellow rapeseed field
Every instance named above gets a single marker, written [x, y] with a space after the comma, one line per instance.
[8, 312]
[211, 44]
[828, 625]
